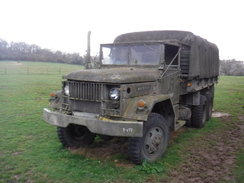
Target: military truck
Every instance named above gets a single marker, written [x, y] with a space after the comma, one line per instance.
[147, 85]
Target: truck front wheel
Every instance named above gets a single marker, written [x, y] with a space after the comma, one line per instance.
[154, 142]
[75, 136]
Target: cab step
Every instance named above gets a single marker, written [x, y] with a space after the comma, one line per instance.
[179, 124]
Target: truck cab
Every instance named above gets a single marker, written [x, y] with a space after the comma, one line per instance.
[146, 85]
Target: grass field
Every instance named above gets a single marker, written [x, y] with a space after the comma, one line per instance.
[32, 68]
[31, 152]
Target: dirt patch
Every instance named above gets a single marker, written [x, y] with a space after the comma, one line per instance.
[17, 153]
[17, 177]
[174, 135]
[213, 160]
[115, 150]
[241, 118]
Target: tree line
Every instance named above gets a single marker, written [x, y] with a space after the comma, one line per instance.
[20, 51]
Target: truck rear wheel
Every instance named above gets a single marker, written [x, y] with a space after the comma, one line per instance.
[154, 142]
[199, 113]
[75, 136]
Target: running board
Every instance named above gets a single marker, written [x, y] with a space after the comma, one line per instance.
[179, 124]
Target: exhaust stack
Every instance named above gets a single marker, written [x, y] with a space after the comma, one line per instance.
[88, 54]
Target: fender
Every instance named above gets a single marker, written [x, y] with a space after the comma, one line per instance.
[132, 110]
[56, 100]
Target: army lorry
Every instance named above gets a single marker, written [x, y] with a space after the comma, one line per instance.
[147, 85]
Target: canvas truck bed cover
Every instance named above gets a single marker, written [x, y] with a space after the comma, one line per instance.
[204, 56]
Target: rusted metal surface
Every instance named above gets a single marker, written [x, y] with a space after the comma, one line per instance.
[134, 112]
[159, 68]
[114, 75]
[95, 124]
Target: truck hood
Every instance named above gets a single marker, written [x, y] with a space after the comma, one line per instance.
[114, 75]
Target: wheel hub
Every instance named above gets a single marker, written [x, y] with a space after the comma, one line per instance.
[153, 141]
[78, 132]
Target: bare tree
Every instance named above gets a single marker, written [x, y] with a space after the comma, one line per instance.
[231, 67]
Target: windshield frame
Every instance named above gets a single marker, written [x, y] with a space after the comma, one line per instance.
[130, 45]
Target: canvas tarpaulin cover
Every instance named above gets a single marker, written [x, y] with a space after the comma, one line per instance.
[204, 56]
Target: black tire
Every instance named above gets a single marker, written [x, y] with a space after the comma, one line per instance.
[75, 136]
[154, 142]
[199, 113]
[188, 123]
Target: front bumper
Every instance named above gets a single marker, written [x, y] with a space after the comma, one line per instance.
[95, 124]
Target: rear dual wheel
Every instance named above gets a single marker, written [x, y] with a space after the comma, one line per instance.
[203, 112]
[200, 113]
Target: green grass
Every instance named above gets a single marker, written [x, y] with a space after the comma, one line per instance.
[239, 171]
[33, 68]
[230, 95]
[31, 152]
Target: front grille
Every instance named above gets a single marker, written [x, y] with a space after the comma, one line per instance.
[85, 91]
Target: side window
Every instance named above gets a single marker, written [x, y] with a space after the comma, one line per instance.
[170, 52]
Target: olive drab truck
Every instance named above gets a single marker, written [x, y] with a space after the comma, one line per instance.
[146, 85]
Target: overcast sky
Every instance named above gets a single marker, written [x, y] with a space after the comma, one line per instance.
[63, 24]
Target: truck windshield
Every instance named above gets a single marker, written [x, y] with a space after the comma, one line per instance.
[145, 54]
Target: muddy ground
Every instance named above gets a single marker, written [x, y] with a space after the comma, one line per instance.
[213, 160]
[210, 158]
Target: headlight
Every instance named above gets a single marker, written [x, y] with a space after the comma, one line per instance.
[66, 90]
[114, 94]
